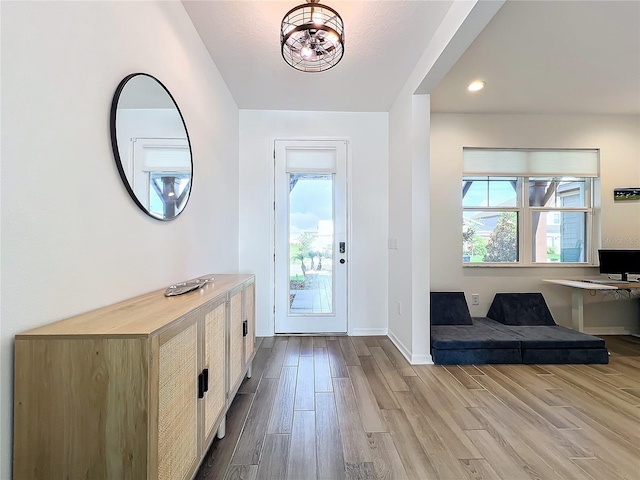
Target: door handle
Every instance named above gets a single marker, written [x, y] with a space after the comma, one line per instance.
[342, 247]
[342, 260]
[201, 386]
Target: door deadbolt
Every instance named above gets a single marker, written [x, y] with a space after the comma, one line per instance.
[342, 260]
[342, 247]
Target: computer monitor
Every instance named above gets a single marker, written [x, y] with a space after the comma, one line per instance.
[620, 262]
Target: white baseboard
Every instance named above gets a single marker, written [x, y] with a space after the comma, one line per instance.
[401, 346]
[609, 331]
[367, 332]
[423, 359]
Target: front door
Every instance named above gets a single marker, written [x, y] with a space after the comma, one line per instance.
[310, 237]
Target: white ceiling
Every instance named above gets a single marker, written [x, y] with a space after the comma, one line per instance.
[536, 56]
[550, 57]
[383, 42]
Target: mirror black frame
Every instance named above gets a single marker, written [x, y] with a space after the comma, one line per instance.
[116, 151]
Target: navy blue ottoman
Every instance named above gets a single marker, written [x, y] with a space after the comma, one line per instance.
[527, 318]
[458, 339]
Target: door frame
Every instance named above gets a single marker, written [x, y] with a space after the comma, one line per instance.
[272, 239]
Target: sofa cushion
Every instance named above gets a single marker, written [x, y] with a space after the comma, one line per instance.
[476, 356]
[520, 309]
[555, 337]
[448, 337]
[545, 336]
[565, 355]
[449, 308]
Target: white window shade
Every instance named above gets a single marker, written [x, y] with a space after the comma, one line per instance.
[167, 154]
[300, 160]
[530, 163]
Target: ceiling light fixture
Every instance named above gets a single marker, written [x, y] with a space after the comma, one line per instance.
[312, 37]
[476, 85]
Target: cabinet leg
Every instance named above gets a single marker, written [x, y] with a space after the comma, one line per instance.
[222, 428]
[249, 370]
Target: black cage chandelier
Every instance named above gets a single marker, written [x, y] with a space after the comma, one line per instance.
[312, 37]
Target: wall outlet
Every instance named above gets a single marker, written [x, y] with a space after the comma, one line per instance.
[475, 299]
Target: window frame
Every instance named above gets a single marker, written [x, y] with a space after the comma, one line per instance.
[524, 213]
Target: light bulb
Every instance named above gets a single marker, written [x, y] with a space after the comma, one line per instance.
[317, 18]
[307, 53]
[476, 85]
[333, 38]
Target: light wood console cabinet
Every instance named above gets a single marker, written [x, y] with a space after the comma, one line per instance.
[135, 390]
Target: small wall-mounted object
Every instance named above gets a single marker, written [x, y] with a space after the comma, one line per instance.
[626, 194]
[151, 146]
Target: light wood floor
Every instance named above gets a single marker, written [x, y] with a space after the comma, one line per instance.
[352, 407]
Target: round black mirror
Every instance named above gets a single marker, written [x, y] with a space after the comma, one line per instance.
[151, 146]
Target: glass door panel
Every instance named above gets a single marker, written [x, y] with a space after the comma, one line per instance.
[310, 244]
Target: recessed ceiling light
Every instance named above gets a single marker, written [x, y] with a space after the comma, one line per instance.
[476, 85]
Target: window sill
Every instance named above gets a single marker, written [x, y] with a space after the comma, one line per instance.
[530, 265]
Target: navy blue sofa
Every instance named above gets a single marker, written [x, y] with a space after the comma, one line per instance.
[519, 328]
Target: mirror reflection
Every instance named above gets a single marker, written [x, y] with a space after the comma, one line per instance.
[151, 146]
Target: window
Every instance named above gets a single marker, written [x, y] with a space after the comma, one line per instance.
[528, 206]
[167, 192]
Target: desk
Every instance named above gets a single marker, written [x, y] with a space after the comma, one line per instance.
[578, 288]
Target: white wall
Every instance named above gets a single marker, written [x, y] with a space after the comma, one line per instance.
[409, 227]
[72, 239]
[368, 154]
[400, 226]
[409, 178]
[617, 137]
